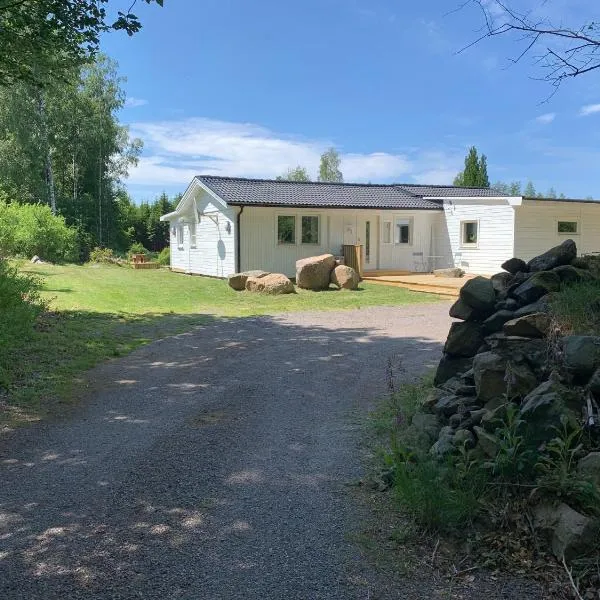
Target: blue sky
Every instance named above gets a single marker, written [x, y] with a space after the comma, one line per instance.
[251, 88]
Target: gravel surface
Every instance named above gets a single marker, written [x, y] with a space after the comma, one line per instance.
[211, 465]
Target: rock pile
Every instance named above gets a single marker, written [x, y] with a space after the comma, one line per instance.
[499, 354]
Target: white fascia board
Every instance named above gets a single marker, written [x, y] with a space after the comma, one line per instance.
[512, 200]
[169, 216]
[189, 195]
[210, 192]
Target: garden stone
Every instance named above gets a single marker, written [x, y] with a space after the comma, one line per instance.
[515, 265]
[535, 287]
[581, 354]
[540, 305]
[555, 257]
[444, 444]
[314, 273]
[520, 380]
[432, 399]
[489, 370]
[273, 284]
[501, 282]
[450, 366]
[589, 466]
[580, 263]
[535, 325]
[461, 310]
[508, 304]
[448, 405]
[569, 274]
[474, 418]
[486, 441]
[574, 535]
[545, 407]
[496, 321]
[344, 277]
[468, 377]
[479, 294]
[464, 339]
[533, 351]
[237, 281]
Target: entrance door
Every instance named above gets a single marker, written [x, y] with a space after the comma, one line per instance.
[367, 236]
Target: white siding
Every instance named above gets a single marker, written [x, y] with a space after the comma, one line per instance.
[214, 253]
[536, 228]
[496, 235]
[260, 249]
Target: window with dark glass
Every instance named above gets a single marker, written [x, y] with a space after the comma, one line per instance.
[286, 229]
[310, 230]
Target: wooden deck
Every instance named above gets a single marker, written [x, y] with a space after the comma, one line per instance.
[418, 282]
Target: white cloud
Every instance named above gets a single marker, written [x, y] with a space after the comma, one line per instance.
[546, 118]
[132, 102]
[177, 150]
[589, 109]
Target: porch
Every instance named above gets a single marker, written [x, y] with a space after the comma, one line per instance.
[419, 282]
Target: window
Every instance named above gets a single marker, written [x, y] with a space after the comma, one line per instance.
[286, 229]
[310, 230]
[387, 232]
[571, 227]
[180, 236]
[469, 233]
[403, 231]
[193, 227]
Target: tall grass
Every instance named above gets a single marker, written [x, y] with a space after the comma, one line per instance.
[576, 308]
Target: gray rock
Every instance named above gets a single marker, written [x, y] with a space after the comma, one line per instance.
[540, 306]
[589, 466]
[272, 284]
[501, 282]
[432, 399]
[427, 426]
[450, 366]
[464, 339]
[533, 325]
[345, 278]
[545, 407]
[581, 354]
[479, 294]
[496, 321]
[533, 351]
[515, 265]
[535, 287]
[314, 273]
[489, 371]
[520, 380]
[486, 441]
[445, 444]
[464, 438]
[237, 281]
[574, 534]
[448, 405]
[580, 263]
[555, 257]
[570, 274]
[455, 273]
[508, 304]
[461, 310]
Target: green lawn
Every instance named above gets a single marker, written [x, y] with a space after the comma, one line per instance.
[98, 312]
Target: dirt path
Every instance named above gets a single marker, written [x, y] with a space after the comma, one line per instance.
[211, 465]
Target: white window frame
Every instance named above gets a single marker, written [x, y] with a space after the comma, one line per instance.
[299, 224]
[193, 229]
[286, 214]
[568, 220]
[400, 220]
[179, 236]
[390, 240]
[463, 242]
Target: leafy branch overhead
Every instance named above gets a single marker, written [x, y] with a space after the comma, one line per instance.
[562, 51]
[40, 39]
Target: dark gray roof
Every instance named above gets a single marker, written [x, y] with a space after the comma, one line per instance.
[268, 192]
[450, 191]
[261, 192]
[575, 200]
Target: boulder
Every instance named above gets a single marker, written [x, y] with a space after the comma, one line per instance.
[450, 366]
[314, 273]
[464, 339]
[574, 533]
[535, 287]
[461, 310]
[581, 354]
[486, 441]
[515, 265]
[589, 467]
[489, 370]
[274, 284]
[533, 351]
[540, 306]
[344, 277]
[508, 304]
[535, 325]
[445, 444]
[237, 281]
[479, 294]
[520, 380]
[36, 259]
[545, 408]
[426, 426]
[449, 405]
[455, 273]
[497, 320]
[501, 282]
[580, 263]
[555, 257]
[463, 438]
[570, 274]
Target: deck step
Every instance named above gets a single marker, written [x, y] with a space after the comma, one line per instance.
[418, 287]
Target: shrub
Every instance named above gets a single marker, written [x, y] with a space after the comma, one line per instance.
[30, 229]
[103, 256]
[164, 258]
[137, 248]
[20, 305]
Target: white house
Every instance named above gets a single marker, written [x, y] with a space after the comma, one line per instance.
[224, 225]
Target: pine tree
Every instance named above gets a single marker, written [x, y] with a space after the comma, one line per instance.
[483, 180]
[529, 190]
[475, 173]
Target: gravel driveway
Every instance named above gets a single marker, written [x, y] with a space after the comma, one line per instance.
[210, 465]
